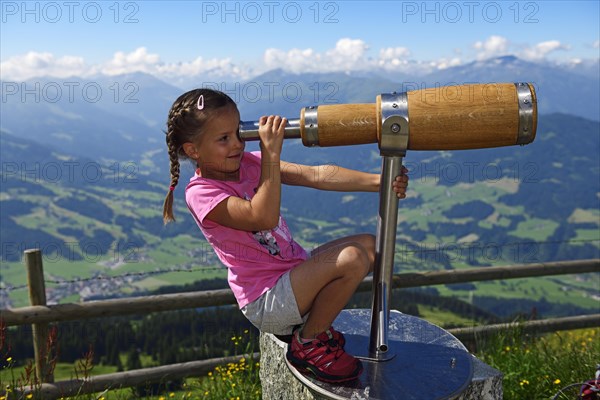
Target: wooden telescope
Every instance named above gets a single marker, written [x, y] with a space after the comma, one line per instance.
[442, 118]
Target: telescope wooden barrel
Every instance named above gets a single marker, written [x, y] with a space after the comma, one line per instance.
[342, 125]
[444, 118]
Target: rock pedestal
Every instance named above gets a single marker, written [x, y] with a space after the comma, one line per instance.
[410, 380]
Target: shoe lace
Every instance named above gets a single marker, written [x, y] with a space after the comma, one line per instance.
[333, 347]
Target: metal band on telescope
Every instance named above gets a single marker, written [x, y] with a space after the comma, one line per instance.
[249, 130]
[525, 100]
[311, 127]
[394, 124]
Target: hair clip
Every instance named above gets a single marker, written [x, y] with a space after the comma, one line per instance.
[200, 103]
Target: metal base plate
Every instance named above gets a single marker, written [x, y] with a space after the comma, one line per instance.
[426, 361]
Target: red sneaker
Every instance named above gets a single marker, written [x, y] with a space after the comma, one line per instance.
[323, 357]
[339, 336]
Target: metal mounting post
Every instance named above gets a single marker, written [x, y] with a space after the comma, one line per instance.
[392, 146]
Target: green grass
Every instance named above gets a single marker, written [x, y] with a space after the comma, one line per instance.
[443, 318]
[180, 278]
[535, 229]
[538, 367]
[237, 380]
[552, 289]
[583, 216]
[587, 234]
[62, 371]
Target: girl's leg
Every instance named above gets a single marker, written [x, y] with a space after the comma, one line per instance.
[324, 283]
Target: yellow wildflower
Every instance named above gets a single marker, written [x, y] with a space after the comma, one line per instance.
[556, 381]
[246, 331]
[29, 396]
[171, 394]
[507, 348]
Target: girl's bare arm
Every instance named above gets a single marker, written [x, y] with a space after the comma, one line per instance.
[336, 178]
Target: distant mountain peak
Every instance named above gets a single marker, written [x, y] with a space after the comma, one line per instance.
[506, 59]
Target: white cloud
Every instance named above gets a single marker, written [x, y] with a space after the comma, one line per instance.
[447, 63]
[294, 60]
[347, 55]
[36, 64]
[214, 67]
[542, 49]
[393, 58]
[138, 60]
[596, 44]
[141, 61]
[494, 46]
[391, 53]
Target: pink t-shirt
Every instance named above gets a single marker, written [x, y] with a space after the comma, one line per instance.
[255, 260]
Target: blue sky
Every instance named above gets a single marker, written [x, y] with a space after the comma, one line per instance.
[241, 39]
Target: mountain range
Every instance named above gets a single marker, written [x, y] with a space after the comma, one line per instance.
[77, 115]
[84, 165]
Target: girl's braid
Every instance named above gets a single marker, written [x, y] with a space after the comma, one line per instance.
[174, 148]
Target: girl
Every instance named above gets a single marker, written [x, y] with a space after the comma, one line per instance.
[235, 199]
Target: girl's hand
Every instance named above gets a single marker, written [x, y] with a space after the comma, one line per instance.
[271, 130]
[401, 183]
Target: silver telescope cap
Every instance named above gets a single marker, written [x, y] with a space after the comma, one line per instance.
[249, 130]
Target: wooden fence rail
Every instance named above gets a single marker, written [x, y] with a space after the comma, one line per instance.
[117, 380]
[209, 298]
[39, 315]
[529, 327]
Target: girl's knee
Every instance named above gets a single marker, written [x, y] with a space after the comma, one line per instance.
[355, 260]
[368, 241]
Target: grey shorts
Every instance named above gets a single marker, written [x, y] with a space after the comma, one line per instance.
[276, 310]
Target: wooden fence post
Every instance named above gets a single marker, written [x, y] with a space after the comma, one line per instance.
[37, 297]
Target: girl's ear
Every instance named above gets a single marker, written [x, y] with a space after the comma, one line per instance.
[190, 150]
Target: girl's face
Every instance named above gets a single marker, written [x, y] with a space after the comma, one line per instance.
[219, 150]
